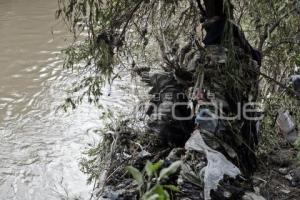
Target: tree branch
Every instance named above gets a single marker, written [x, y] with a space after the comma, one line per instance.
[289, 90]
[281, 42]
[269, 31]
[130, 17]
[202, 10]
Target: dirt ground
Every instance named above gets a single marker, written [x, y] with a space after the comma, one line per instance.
[278, 177]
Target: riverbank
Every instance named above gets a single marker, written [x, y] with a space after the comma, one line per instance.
[277, 177]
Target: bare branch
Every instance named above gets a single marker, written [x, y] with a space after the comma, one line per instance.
[268, 31]
[281, 42]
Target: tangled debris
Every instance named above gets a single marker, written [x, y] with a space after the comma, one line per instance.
[203, 127]
[119, 184]
[219, 157]
[277, 178]
[215, 164]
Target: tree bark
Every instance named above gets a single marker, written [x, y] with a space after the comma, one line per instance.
[244, 82]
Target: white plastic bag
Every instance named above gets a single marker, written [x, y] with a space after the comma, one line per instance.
[285, 122]
[217, 164]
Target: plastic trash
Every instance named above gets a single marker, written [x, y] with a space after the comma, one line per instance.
[206, 120]
[252, 196]
[216, 54]
[285, 122]
[295, 79]
[217, 164]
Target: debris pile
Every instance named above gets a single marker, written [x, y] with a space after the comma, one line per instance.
[185, 124]
[277, 179]
[202, 114]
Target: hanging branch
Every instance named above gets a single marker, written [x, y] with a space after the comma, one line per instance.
[134, 10]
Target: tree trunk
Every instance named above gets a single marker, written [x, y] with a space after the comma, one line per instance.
[241, 80]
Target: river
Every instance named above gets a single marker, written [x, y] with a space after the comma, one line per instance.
[39, 148]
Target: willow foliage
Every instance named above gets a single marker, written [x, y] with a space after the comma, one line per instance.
[273, 28]
[121, 35]
[115, 35]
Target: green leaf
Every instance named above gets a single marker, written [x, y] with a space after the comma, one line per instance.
[136, 174]
[157, 193]
[297, 144]
[152, 168]
[164, 173]
[172, 188]
[152, 197]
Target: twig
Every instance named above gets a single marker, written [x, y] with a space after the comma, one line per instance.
[284, 41]
[291, 91]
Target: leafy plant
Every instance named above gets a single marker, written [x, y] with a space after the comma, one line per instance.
[150, 180]
[120, 35]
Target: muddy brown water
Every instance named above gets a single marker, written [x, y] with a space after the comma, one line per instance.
[39, 148]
